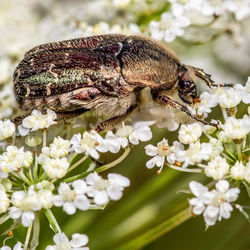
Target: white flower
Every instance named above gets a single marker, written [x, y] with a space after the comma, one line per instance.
[37, 120]
[24, 206]
[215, 204]
[45, 197]
[161, 153]
[217, 147]
[14, 159]
[168, 27]
[55, 168]
[59, 148]
[87, 143]
[139, 131]
[18, 246]
[195, 153]
[62, 242]
[189, 133]
[227, 97]
[166, 117]
[7, 129]
[72, 198]
[113, 143]
[236, 128]
[102, 190]
[207, 101]
[238, 171]
[217, 168]
[4, 201]
[244, 91]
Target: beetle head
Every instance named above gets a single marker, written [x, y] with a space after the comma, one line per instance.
[186, 87]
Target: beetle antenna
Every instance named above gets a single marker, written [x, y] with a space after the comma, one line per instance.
[207, 78]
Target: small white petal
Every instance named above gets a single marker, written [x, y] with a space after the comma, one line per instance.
[100, 197]
[79, 240]
[27, 218]
[60, 238]
[82, 202]
[222, 186]
[69, 208]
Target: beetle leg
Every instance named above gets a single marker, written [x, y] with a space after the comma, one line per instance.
[166, 100]
[112, 122]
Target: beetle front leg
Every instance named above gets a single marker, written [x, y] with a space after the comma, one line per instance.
[163, 99]
[114, 121]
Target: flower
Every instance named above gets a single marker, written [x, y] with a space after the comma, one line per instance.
[217, 168]
[87, 144]
[4, 201]
[59, 148]
[189, 133]
[227, 97]
[71, 199]
[168, 27]
[238, 171]
[139, 131]
[207, 101]
[54, 168]
[7, 129]
[36, 121]
[161, 153]
[214, 204]
[14, 159]
[62, 242]
[18, 246]
[194, 154]
[24, 206]
[113, 143]
[102, 190]
[247, 172]
[236, 128]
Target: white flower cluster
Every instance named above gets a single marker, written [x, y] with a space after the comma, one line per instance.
[215, 204]
[91, 142]
[37, 121]
[185, 13]
[78, 242]
[79, 194]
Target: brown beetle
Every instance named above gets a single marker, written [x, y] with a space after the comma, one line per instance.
[105, 73]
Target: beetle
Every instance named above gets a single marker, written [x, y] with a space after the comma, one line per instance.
[105, 73]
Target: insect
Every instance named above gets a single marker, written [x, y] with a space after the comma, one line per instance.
[105, 73]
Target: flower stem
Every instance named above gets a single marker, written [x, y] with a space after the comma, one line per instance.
[23, 177]
[78, 163]
[115, 162]
[28, 236]
[4, 218]
[189, 170]
[52, 221]
[157, 231]
[44, 138]
[36, 230]
[238, 148]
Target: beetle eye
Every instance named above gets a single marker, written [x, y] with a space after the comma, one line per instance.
[185, 84]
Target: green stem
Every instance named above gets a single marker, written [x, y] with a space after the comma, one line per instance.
[28, 237]
[36, 231]
[78, 163]
[157, 231]
[4, 218]
[44, 138]
[189, 170]
[238, 148]
[23, 177]
[100, 169]
[52, 221]
[113, 163]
